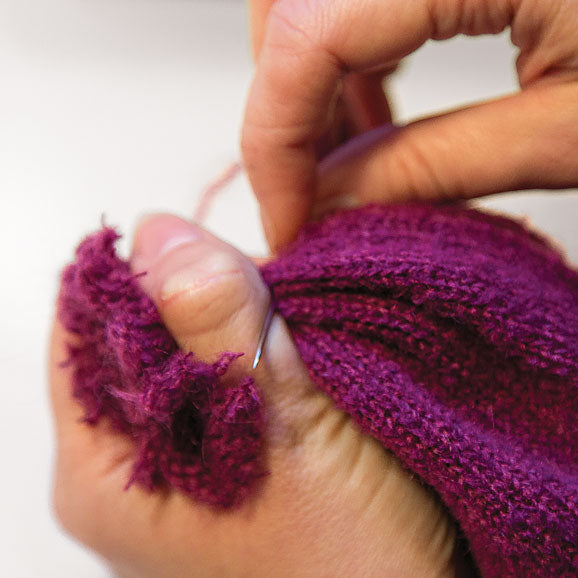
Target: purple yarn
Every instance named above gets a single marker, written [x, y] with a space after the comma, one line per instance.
[449, 335]
[192, 430]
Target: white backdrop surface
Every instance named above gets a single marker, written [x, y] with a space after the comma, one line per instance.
[120, 107]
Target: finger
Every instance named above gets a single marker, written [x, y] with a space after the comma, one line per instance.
[308, 47]
[366, 102]
[509, 144]
[212, 299]
[361, 105]
[258, 12]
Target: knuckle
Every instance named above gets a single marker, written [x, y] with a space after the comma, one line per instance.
[424, 168]
[416, 170]
[306, 25]
[470, 17]
[222, 292]
[289, 20]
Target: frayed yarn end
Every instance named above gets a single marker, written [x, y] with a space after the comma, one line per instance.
[192, 431]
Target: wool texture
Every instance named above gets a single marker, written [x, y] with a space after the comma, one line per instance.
[449, 335]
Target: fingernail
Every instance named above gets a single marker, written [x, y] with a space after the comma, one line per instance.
[156, 235]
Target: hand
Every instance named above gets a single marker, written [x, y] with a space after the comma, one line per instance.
[312, 51]
[335, 502]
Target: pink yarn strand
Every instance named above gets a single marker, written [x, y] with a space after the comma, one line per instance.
[218, 185]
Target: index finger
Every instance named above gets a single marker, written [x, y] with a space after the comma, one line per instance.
[308, 47]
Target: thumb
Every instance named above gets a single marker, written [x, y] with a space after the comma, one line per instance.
[212, 299]
[528, 140]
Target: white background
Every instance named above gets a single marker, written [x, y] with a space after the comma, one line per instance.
[120, 107]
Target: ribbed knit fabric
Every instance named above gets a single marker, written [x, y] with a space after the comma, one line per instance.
[449, 335]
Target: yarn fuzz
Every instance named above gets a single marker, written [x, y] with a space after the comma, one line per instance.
[449, 335]
[191, 430]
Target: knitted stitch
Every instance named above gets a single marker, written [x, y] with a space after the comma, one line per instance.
[449, 335]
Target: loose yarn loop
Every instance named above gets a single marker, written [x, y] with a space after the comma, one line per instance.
[449, 335]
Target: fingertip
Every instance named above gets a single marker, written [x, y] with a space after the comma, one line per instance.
[156, 236]
[279, 237]
[283, 220]
[158, 233]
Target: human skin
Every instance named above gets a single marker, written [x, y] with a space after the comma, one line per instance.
[312, 54]
[336, 503]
